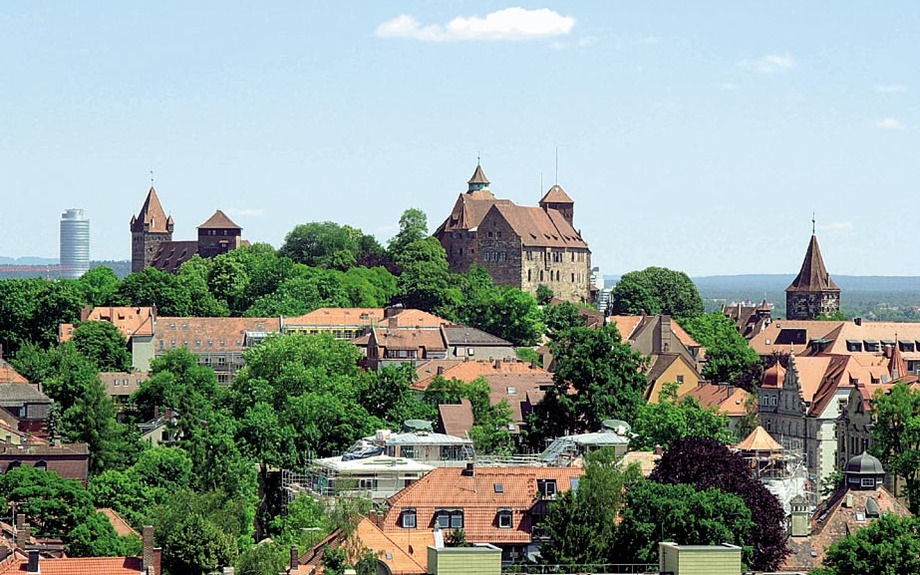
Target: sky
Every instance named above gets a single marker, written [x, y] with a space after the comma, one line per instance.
[699, 136]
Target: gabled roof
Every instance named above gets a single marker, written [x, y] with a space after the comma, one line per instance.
[479, 176]
[121, 527]
[10, 375]
[469, 210]
[456, 418]
[219, 221]
[211, 334]
[813, 276]
[170, 255]
[152, 215]
[131, 321]
[17, 563]
[538, 227]
[556, 195]
[728, 399]
[480, 499]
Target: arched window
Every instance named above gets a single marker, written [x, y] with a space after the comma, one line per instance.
[41, 464]
[13, 465]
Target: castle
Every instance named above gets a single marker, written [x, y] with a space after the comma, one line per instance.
[152, 244]
[521, 246]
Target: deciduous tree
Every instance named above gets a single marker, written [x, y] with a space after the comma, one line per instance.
[896, 436]
[656, 291]
[672, 418]
[103, 344]
[729, 358]
[890, 545]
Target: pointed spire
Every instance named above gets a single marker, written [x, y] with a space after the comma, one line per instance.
[152, 217]
[479, 179]
[813, 277]
[897, 367]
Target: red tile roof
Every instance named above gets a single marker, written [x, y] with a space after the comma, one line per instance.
[121, 527]
[171, 255]
[219, 221]
[456, 419]
[730, 400]
[152, 215]
[16, 563]
[480, 499]
[10, 375]
[556, 195]
[813, 276]
[210, 334]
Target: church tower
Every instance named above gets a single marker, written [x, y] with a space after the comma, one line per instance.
[149, 229]
[813, 292]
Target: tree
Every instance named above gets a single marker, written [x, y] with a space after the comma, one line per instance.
[896, 436]
[728, 472]
[890, 545]
[99, 286]
[32, 309]
[729, 358]
[544, 294]
[124, 492]
[581, 523]
[152, 287]
[561, 317]
[661, 512]
[503, 311]
[597, 377]
[267, 557]
[95, 537]
[656, 291]
[164, 468]
[413, 226]
[327, 245]
[103, 344]
[196, 546]
[425, 281]
[310, 289]
[53, 505]
[671, 419]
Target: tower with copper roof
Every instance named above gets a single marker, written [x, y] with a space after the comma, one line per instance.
[149, 228]
[813, 292]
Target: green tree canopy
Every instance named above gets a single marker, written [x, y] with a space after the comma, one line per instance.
[103, 344]
[896, 436]
[425, 281]
[152, 287]
[503, 311]
[413, 226]
[32, 309]
[656, 291]
[53, 505]
[671, 419]
[729, 358]
[328, 245]
[597, 377]
[890, 545]
[99, 286]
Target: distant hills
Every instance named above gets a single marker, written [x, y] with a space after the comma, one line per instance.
[757, 284]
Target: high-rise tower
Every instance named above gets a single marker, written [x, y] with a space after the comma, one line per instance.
[74, 244]
[149, 229]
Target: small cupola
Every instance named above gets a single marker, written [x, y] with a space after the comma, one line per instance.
[864, 473]
[479, 181]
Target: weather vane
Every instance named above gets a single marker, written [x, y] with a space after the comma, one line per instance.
[812, 223]
[151, 177]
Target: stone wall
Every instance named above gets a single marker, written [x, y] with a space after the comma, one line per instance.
[144, 246]
[809, 305]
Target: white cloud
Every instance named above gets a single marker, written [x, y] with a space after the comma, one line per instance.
[508, 24]
[891, 89]
[890, 124]
[246, 212]
[768, 64]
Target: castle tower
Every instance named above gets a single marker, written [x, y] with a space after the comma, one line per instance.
[813, 292]
[218, 236]
[479, 181]
[557, 199]
[149, 229]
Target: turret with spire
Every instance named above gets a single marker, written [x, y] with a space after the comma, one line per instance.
[812, 293]
[149, 228]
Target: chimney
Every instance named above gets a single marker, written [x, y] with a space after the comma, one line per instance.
[468, 471]
[849, 502]
[665, 333]
[20, 520]
[147, 559]
[533, 364]
[295, 558]
[440, 370]
[857, 320]
[32, 567]
[498, 364]
[392, 322]
[23, 532]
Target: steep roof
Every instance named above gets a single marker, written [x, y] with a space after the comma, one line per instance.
[219, 221]
[121, 527]
[152, 215]
[468, 211]
[456, 418]
[538, 227]
[210, 334]
[556, 195]
[170, 255]
[17, 563]
[479, 176]
[728, 399]
[813, 276]
[10, 375]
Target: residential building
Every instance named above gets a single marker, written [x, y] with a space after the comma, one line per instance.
[521, 384]
[69, 460]
[496, 505]
[135, 323]
[750, 318]
[860, 501]
[23, 406]
[121, 385]
[812, 293]
[74, 244]
[800, 404]
[342, 323]
[417, 441]
[375, 477]
[727, 399]
[520, 246]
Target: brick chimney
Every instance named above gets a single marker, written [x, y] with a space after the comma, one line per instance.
[32, 566]
[148, 560]
[295, 558]
[23, 532]
[665, 333]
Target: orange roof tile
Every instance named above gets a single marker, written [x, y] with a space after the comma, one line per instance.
[456, 419]
[730, 400]
[130, 321]
[16, 563]
[332, 316]
[538, 227]
[759, 440]
[10, 375]
[477, 495]
[210, 334]
[556, 195]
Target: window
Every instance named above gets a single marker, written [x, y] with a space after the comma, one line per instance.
[449, 518]
[680, 379]
[505, 519]
[41, 464]
[546, 487]
[408, 518]
[407, 451]
[498, 487]
[867, 482]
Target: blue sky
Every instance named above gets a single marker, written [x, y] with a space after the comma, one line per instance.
[695, 135]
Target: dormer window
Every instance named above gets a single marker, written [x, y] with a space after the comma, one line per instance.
[449, 518]
[546, 488]
[408, 518]
[505, 519]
